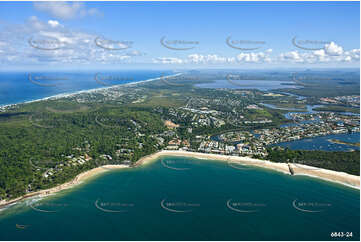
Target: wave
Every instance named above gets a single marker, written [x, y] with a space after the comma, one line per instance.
[71, 94]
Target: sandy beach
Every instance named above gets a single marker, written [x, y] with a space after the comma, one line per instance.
[298, 169]
[76, 181]
[94, 90]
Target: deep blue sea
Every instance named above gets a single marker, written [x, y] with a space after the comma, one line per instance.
[18, 87]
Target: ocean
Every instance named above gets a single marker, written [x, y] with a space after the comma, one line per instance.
[19, 87]
[179, 198]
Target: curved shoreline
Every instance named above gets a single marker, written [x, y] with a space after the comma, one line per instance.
[298, 170]
[74, 182]
[98, 89]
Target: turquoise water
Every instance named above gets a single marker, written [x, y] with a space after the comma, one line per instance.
[127, 205]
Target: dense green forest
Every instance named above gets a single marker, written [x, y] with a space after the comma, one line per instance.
[43, 144]
[32, 143]
[348, 162]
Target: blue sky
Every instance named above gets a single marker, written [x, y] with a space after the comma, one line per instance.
[194, 34]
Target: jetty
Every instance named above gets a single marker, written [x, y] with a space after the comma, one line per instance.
[292, 172]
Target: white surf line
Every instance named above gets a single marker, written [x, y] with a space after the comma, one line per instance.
[65, 95]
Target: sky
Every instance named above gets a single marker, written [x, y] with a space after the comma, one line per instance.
[179, 35]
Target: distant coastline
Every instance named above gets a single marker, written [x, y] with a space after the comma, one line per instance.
[66, 95]
[297, 169]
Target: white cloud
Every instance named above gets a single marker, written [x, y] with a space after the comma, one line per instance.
[53, 23]
[335, 54]
[76, 47]
[255, 57]
[331, 53]
[333, 49]
[209, 59]
[353, 55]
[35, 24]
[167, 60]
[65, 10]
[292, 56]
[80, 47]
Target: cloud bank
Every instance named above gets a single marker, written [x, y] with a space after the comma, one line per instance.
[66, 10]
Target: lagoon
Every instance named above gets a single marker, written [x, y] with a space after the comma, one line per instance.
[324, 143]
[263, 85]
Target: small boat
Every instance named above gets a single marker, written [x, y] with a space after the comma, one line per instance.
[19, 226]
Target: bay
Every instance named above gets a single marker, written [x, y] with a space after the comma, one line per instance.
[201, 200]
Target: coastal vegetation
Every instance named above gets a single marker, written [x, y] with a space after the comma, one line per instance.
[348, 162]
[49, 142]
[338, 108]
[41, 150]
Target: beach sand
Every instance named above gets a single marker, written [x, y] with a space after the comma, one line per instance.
[298, 169]
[94, 90]
[76, 181]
